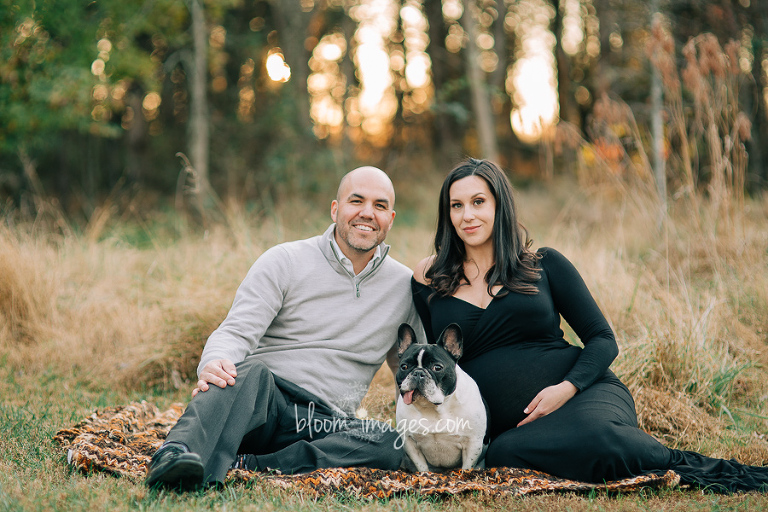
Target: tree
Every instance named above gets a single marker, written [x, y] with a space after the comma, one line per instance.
[756, 100]
[293, 22]
[564, 91]
[481, 104]
[45, 83]
[657, 124]
[67, 83]
[448, 113]
[199, 131]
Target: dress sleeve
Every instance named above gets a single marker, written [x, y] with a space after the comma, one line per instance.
[421, 293]
[577, 307]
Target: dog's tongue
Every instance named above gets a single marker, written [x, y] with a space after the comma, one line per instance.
[408, 397]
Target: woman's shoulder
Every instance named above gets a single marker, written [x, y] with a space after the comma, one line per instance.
[549, 258]
[548, 253]
[552, 260]
[420, 270]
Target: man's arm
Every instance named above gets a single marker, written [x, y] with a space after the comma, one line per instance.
[257, 302]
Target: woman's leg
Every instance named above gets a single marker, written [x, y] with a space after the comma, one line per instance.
[594, 438]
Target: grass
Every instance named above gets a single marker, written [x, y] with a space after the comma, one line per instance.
[120, 313]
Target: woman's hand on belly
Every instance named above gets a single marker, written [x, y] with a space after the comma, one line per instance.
[548, 400]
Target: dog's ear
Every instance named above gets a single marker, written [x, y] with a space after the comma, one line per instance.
[452, 341]
[405, 337]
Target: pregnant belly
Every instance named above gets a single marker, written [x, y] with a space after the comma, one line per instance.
[509, 377]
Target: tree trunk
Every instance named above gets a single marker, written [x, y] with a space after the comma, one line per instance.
[348, 27]
[398, 140]
[504, 46]
[500, 42]
[136, 139]
[293, 25]
[758, 156]
[446, 140]
[481, 105]
[603, 73]
[657, 129]
[567, 111]
[199, 129]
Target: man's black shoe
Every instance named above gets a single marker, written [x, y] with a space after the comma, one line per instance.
[174, 466]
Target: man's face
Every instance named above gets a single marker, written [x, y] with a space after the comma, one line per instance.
[363, 211]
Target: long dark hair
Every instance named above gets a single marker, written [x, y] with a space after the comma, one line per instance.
[516, 265]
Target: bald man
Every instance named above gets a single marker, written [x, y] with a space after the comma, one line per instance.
[282, 376]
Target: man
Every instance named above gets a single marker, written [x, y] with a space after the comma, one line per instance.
[280, 379]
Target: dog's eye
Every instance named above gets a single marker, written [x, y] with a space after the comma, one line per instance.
[403, 366]
[438, 367]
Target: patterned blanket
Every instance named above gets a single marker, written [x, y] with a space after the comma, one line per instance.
[121, 441]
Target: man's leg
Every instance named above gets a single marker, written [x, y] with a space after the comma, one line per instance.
[312, 436]
[357, 447]
[216, 421]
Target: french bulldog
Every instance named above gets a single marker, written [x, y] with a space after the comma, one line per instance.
[440, 414]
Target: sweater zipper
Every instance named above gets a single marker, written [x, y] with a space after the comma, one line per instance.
[357, 285]
[363, 278]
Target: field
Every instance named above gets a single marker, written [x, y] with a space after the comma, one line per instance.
[119, 309]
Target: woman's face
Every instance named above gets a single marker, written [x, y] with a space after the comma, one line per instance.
[473, 210]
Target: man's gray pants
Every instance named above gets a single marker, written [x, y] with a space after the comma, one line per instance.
[284, 426]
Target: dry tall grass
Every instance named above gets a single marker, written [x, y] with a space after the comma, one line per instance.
[109, 313]
[688, 306]
[682, 278]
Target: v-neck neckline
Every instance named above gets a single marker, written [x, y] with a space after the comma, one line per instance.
[458, 298]
[474, 305]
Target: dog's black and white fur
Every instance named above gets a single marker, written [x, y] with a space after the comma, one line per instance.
[440, 414]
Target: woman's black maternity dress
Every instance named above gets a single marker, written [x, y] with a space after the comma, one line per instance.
[515, 347]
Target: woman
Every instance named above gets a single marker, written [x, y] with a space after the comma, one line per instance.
[553, 407]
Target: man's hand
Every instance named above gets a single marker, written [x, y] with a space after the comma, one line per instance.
[220, 372]
[548, 400]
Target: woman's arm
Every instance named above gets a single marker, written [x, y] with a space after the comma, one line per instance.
[575, 303]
